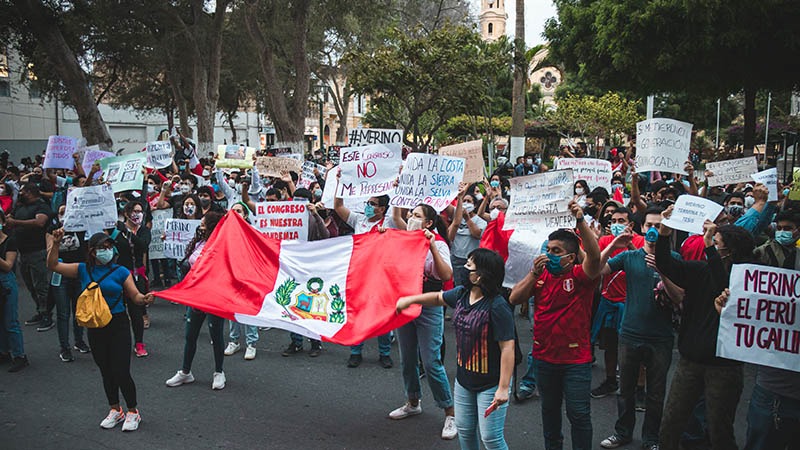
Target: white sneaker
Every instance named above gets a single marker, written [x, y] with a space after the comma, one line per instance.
[405, 411]
[112, 419]
[449, 431]
[232, 348]
[131, 421]
[250, 353]
[180, 378]
[219, 380]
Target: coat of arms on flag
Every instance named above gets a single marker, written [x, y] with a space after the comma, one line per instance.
[311, 303]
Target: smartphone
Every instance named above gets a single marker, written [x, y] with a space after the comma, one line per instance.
[490, 409]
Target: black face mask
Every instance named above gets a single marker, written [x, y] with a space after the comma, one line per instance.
[204, 202]
[590, 210]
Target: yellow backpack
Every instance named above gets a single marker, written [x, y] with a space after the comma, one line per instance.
[92, 310]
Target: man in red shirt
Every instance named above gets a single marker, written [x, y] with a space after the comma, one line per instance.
[563, 292]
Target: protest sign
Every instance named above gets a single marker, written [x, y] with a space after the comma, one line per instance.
[156, 249]
[429, 179]
[329, 192]
[282, 220]
[472, 151]
[596, 172]
[690, 212]
[159, 154]
[59, 152]
[732, 171]
[307, 177]
[369, 171]
[369, 136]
[92, 154]
[768, 178]
[234, 156]
[759, 323]
[124, 172]
[541, 201]
[91, 208]
[178, 233]
[662, 144]
[272, 166]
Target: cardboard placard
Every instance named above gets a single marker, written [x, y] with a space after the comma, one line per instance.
[282, 220]
[662, 145]
[272, 166]
[90, 208]
[596, 172]
[124, 172]
[472, 152]
[429, 179]
[369, 136]
[178, 233]
[369, 171]
[59, 152]
[732, 171]
[690, 212]
[540, 202]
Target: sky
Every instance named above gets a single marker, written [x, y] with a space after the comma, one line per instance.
[536, 13]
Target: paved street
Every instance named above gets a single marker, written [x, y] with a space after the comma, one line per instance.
[271, 402]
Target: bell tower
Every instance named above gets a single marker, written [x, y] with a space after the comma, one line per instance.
[493, 19]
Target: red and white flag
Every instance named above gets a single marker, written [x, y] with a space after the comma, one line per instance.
[342, 290]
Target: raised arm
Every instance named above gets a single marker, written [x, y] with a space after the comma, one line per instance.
[426, 299]
[636, 197]
[591, 263]
[69, 270]
[338, 204]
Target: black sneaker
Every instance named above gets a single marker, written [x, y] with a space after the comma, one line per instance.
[46, 324]
[82, 347]
[34, 320]
[66, 355]
[386, 361]
[5, 357]
[641, 399]
[354, 361]
[292, 349]
[316, 349]
[19, 363]
[608, 387]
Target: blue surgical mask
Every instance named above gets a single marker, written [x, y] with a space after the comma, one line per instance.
[181, 168]
[369, 211]
[786, 192]
[651, 235]
[318, 193]
[554, 263]
[104, 255]
[785, 237]
[494, 183]
[617, 228]
[614, 187]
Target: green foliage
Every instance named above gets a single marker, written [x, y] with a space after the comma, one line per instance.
[590, 117]
[283, 295]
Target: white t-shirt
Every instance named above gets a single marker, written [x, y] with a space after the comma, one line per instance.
[359, 223]
[430, 267]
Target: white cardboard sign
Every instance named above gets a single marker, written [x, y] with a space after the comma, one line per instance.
[768, 178]
[541, 202]
[690, 212]
[159, 154]
[429, 179]
[90, 208]
[732, 171]
[59, 152]
[282, 220]
[369, 171]
[596, 172]
[178, 233]
[662, 145]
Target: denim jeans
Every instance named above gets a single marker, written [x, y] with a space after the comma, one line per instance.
[573, 384]
[773, 421]
[528, 381]
[297, 340]
[194, 322]
[66, 296]
[656, 358]
[250, 333]
[422, 337]
[472, 426]
[10, 331]
[33, 268]
[384, 345]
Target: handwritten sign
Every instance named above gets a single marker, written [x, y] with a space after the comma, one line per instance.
[160, 216]
[472, 152]
[91, 208]
[178, 233]
[59, 152]
[759, 323]
[234, 156]
[541, 201]
[429, 179]
[272, 166]
[329, 192]
[307, 177]
[282, 220]
[794, 189]
[596, 172]
[662, 144]
[731, 171]
[369, 136]
[369, 171]
[124, 172]
[159, 154]
[92, 154]
[768, 178]
[691, 212]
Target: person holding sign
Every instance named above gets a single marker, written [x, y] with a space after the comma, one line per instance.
[563, 291]
[700, 371]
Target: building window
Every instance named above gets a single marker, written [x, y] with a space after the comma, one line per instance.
[5, 82]
[490, 29]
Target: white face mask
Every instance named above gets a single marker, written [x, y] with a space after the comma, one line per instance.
[578, 191]
[185, 189]
[494, 214]
[413, 224]
[206, 173]
[478, 196]
[232, 183]
[469, 207]
[749, 201]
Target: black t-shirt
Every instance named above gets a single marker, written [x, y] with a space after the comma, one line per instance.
[131, 247]
[8, 245]
[74, 245]
[479, 328]
[31, 239]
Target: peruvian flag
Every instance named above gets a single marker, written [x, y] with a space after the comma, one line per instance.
[341, 290]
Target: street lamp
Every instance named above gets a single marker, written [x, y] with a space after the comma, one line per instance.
[319, 90]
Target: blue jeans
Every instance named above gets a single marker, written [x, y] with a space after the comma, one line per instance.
[297, 340]
[422, 337]
[472, 426]
[10, 331]
[573, 384]
[773, 421]
[66, 296]
[250, 333]
[384, 345]
[528, 381]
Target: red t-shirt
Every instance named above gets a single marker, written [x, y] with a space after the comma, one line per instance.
[563, 317]
[694, 248]
[613, 285]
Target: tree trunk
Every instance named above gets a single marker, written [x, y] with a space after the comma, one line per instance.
[342, 103]
[232, 115]
[749, 120]
[62, 58]
[520, 81]
[180, 103]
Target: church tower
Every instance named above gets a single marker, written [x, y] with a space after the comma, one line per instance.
[493, 19]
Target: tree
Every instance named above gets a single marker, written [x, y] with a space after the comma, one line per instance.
[590, 117]
[716, 48]
[520, 84]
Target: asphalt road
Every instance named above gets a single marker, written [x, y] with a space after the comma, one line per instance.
[272, 402]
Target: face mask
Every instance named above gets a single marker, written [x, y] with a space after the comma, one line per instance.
[578, 191]
[369, 211]
[494, 184]
[413, 224]
[104, 255]
[590, 210]
[1, 227]
[617, 228]
[651, 235]
[469, 207]
[553, 263]
[151, 188]
[185, 189]
[614, 187]
[136, 218]
[188, 210]
[749, 201]
[206, 173]
[538, 161]
[494, 214]
[121, 205]
[786, 192]
[735, 210]
[785, 237]
[204, 202]
[318, 193]
[232, 183]
[529, 161]
[479, 197]
[181, 168]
